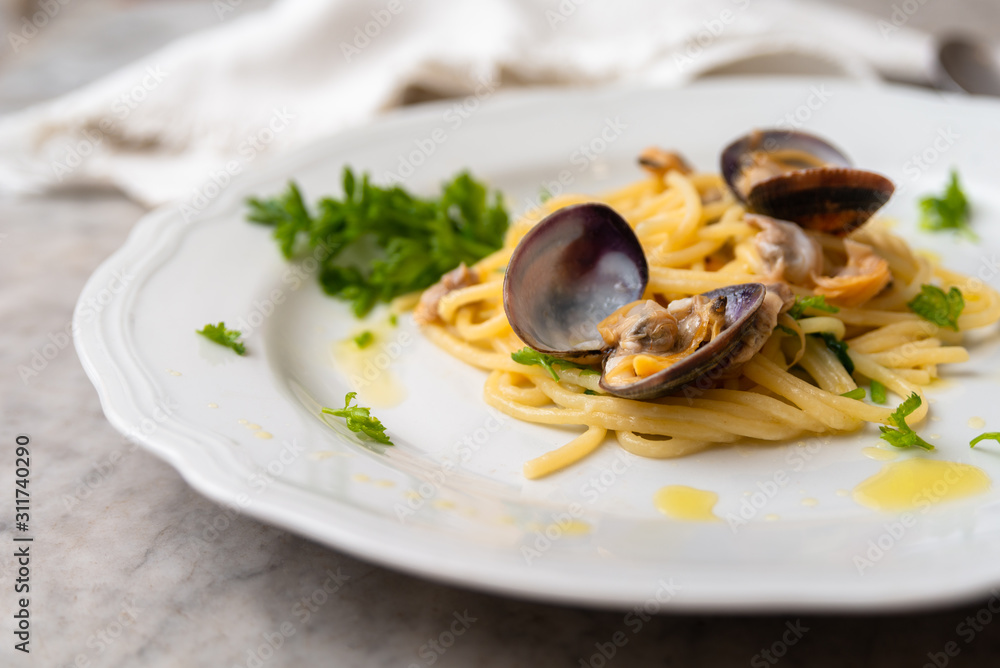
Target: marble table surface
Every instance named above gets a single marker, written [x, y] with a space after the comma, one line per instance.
[126, 570]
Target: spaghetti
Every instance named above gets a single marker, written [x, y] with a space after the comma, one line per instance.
[697, 238]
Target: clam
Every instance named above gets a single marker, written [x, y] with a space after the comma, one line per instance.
[573, 290]
[801, 178]
[729, 320]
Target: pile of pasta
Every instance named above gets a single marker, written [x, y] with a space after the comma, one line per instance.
[695, 239]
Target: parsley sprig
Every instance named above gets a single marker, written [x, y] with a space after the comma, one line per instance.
[816, 302]
[993, 435]
[360, 419]
[935, 305]
[531, 357]
[417, 240]
[878, 392]
[838, 348]
[224, 337]
[903, 436]
[950, 211]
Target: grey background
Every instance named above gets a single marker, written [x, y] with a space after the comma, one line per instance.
[124, 555]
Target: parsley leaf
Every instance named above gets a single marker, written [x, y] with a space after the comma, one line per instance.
[817, 302]
[903, 436]
[531, 357]
[360, 419]
[910, 404]
[224, 337]
[904, 439]
[364, 339]
[948, 212]
[786, 330]
[857, 393]
[414, 240]
[838, 348]
[934, 305]
[878, 392]
[994, 435]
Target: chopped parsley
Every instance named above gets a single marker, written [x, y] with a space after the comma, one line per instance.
[224, 337]
[360, 419]
[786, 330]
[531, 357]
[817, 302]
[364, 339]
[903, 436]
[414, 240]
[544, 195]
[935, 305]
[393, 320]
[857, 393]
[950, 211]
[994, 435]
[878, 392]
[838, 348]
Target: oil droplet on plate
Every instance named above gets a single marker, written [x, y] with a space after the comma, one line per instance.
[173, 373]
[385, 483]
[811, 502]
[213, 405]
[842, 492]
[443, 504]
[257, 430]
[879, 454]
[360, 477]
[771, 517]
[570, 528]
[912, 483]
[369, 369]
[681, 502]
[940, 384]
[977, 422]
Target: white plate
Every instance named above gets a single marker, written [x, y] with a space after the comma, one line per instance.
[479, 523]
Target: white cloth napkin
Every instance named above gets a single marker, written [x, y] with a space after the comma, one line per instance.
[282, 77]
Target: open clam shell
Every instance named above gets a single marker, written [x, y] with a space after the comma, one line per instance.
[763, 154]
[802, 178]
[715, 357]
[569, 272]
